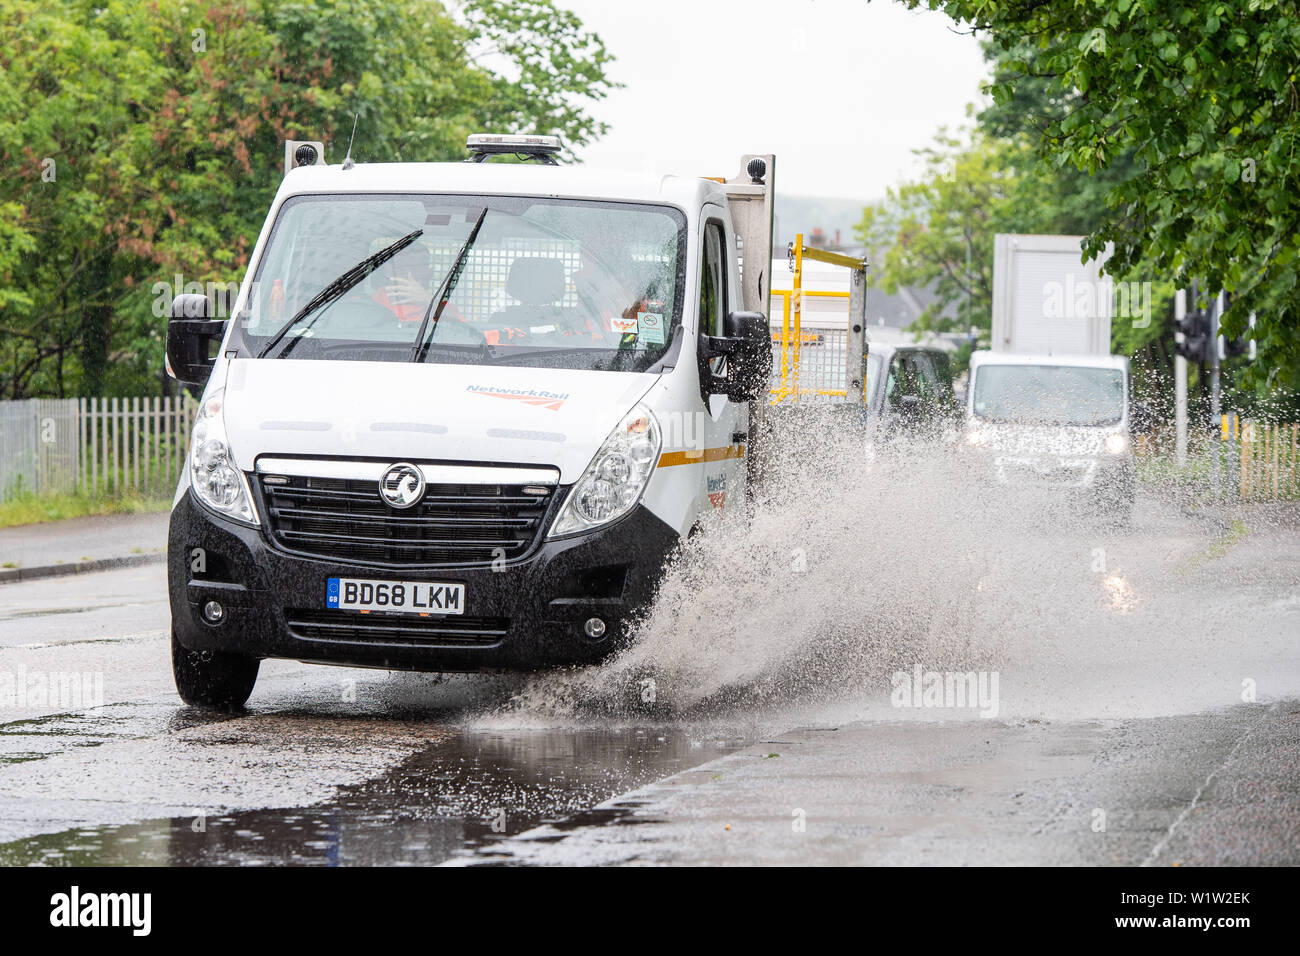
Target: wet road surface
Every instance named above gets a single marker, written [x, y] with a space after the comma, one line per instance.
[1207, 790]
[327, 766]
[334, 766]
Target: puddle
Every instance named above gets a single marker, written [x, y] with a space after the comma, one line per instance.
[456, 796]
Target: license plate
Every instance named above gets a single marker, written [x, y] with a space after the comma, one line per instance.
[403, 597]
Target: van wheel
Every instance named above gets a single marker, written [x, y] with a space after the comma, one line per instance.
[215, 679]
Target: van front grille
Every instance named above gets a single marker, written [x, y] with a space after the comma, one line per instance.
[349, 627]
[453, 524]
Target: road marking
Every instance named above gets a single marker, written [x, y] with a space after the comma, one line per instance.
[1200, 791]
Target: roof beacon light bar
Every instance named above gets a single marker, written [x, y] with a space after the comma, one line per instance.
[542, 149]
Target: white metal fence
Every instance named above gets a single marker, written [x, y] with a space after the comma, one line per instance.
[38, 446]
[96, 446]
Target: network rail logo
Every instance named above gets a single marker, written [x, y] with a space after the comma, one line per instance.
[529, 396]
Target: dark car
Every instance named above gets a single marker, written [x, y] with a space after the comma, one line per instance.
[909, 393]
[908, 396]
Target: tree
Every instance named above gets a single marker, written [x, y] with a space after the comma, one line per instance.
[144, 141]
[1201, 97]
[1070, 201]
[938, 232]
[970, 192]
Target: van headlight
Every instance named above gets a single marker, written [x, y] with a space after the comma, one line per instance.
[1117, 444]
[216, 482]
[615, 479]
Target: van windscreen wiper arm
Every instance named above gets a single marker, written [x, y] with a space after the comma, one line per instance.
[429, 324]
[341, 286]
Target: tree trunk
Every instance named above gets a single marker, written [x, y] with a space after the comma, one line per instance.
[94, 348]
[96, 321]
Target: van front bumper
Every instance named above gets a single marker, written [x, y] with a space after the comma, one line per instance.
[527, 614]
[1106, 483]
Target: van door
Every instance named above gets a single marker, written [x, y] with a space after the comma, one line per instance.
[726, 423]
[900, 381]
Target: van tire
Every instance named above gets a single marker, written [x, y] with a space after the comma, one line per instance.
[214, 679]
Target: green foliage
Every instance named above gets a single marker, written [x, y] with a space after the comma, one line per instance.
[1188, 110]
[925, 233]
[970, 191]
[144, 141]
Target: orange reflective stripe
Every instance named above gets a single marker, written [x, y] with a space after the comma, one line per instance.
[698, 456]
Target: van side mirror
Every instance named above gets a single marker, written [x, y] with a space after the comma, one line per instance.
[191, 330]
[747, 346]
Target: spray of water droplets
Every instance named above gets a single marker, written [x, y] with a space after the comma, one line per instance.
[844, 573]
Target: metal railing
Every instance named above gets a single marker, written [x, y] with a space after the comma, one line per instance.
[95, 446]
[38, 446]
[811, 362]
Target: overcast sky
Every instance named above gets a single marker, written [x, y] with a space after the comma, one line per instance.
[841, 91]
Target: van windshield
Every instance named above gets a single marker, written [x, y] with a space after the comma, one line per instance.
[1049, 394]
[554, 283]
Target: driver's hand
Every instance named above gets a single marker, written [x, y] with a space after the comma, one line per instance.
[403, 290]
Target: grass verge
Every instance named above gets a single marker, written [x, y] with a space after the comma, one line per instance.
[1217, 548]
[34, 509]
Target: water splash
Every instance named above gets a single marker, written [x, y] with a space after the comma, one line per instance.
[846, 573]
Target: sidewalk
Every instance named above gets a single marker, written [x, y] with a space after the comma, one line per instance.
[82, 544]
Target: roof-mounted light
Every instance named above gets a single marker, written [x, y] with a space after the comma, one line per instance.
[542, 149]
[300, 152]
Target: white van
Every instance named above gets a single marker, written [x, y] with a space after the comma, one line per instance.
[460, 416]
[1058, 422]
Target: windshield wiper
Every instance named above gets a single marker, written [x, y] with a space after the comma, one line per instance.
[338, 288]
[429, 323]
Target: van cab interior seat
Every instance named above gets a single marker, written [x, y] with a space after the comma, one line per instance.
[538, 285]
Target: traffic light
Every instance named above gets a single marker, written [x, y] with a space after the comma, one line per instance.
[1198, 339]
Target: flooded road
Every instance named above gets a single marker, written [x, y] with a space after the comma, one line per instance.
[326, 766]
[1134, 698]
[460, 792]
